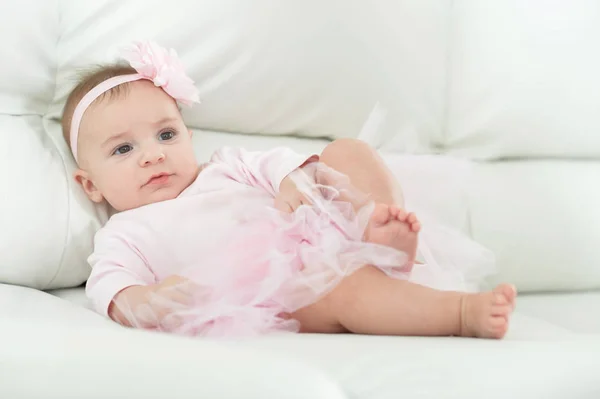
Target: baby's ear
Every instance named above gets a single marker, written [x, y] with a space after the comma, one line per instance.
[83, 178]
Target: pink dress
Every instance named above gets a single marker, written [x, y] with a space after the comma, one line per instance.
[249, 265]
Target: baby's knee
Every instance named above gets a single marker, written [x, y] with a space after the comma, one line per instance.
[342, 148]
[349, 295]
[318, 317]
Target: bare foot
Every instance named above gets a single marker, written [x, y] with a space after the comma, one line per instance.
[394, 227]
[486, 314]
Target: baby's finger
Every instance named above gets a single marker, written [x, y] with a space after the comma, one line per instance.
[295, 203]
[170, 298]
[300, 200]
[186, 286]
[178, 283]
[140, 316]
[305, 200]
[282, 205]
[173, 280]
[171, 322]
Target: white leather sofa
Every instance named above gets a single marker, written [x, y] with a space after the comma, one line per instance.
[496, 103]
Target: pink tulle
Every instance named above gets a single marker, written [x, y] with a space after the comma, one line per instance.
[276, 263]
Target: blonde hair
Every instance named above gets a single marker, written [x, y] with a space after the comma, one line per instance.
[87, 83]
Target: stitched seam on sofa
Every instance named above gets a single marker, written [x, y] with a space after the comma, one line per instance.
[64, 164]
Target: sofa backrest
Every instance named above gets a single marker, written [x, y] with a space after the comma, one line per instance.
[479, 79]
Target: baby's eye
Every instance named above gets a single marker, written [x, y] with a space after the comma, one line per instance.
[123, 149]
[168, 135]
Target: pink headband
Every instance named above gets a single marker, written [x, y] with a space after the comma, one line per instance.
[151, 62]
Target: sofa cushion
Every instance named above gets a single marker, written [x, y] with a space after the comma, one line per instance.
[28, 54]
[568, 310]
[430, 367]
[537, 359]
[523, 79]
[539, 217]
[47, 226]
[280, 67]
[542, 220]
[54, 349]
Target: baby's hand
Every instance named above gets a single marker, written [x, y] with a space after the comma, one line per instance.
[289, 198]
[154, 305]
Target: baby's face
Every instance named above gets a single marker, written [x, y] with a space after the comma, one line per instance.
[135, 149]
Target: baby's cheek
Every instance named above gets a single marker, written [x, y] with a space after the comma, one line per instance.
[123, 192]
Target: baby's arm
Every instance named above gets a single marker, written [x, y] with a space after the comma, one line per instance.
[147, 306]
[265, 169]
[121, 284]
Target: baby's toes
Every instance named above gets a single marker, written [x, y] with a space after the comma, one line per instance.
[412, 218]
[416, 227]
[400, 214]
[496, 322]
[505, 294]
[498, 326]
[511, 294]
[501, 310]
[499, 299]
[381, 214]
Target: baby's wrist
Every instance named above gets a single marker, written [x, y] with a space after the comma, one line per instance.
[128, 298]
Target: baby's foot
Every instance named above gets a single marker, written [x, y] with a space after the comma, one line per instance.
[486, 315]
[393, 227]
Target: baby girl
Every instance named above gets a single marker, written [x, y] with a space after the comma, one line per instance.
[253, 242]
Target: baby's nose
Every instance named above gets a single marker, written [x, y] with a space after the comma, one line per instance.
[152, 157]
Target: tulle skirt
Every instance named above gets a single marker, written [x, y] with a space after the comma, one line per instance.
[276, 263]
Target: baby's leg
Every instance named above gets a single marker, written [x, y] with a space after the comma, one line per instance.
[390, 224]
[369, 302]
[366, 170]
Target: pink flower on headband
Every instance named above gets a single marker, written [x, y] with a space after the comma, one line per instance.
[164, 68]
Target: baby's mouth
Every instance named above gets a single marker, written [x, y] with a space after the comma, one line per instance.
[160, 178]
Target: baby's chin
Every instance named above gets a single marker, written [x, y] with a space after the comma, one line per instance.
[163, 195]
